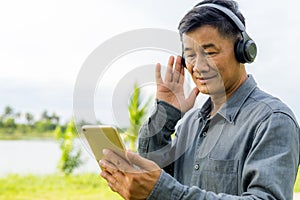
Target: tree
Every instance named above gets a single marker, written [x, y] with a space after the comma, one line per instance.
[45, 116]
[54, 118]
[29, 118]
[10, 125]
[8, 110]
[18, 114]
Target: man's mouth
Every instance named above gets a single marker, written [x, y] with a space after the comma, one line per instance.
[205, 79]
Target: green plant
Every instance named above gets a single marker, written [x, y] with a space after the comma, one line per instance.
[70, 157]
[137, 114]
[55, 187]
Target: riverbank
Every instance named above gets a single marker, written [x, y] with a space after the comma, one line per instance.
[27, 136]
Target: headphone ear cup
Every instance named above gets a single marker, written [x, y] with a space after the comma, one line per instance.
[250, 51]
[183, 60]
[245, 50]
[239, 50]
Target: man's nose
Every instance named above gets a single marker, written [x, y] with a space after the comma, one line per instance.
[201, 64]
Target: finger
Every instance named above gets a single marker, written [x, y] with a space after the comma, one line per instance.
[169, 73]
[158, 74]
[107, 176]
[112, 182]
[117, 161]
[181, 78]
[141, 162]
[177, 71]
[107, 166]
[118, 175]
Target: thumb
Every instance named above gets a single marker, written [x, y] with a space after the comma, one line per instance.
[141, 162]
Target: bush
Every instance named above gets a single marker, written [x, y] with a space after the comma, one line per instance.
[71, 157]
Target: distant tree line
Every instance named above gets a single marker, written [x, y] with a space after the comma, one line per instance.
[17, 122]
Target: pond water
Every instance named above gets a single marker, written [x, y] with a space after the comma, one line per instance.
[38, 157]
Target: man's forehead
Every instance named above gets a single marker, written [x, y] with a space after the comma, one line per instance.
[190, 44]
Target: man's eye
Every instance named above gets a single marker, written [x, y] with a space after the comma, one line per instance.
[209, 53]
[191, 55]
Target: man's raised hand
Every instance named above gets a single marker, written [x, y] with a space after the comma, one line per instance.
[171, 89]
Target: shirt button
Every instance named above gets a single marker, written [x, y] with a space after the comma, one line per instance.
[196, 167]
[204, 134]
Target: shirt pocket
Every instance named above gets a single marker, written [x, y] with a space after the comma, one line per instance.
[221, 176]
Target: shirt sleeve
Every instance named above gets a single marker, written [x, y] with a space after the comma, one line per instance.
[269, 171]
[271, 167]
[155, 134]
[169, 188]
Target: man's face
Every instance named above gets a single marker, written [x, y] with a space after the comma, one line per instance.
[211, 61]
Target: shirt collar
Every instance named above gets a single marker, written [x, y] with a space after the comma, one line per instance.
[230, 109]
[232, 106]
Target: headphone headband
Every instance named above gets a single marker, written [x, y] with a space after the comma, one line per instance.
[245, 48]
[227, 12]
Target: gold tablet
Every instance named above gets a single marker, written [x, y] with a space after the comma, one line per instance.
[102, 137]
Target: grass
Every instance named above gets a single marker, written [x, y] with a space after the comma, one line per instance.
[55, 187]
[297, 183]
[60, 187]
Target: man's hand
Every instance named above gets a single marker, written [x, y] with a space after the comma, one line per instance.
[133, 178]
[171, 90]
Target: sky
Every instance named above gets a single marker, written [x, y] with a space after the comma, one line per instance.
[44, 44]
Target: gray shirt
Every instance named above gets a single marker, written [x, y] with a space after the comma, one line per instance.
[248, 150]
